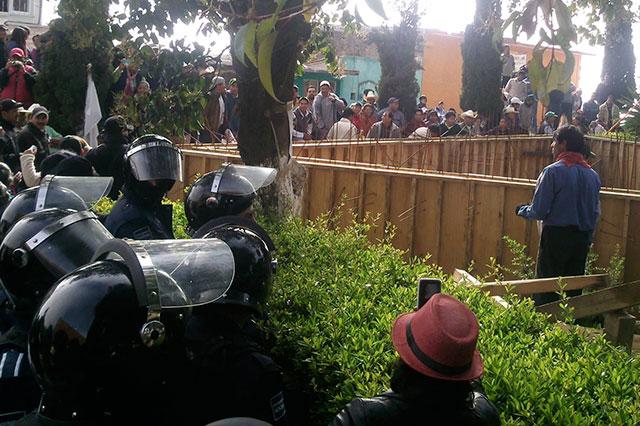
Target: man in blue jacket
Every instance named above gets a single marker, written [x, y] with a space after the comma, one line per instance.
[567, 201]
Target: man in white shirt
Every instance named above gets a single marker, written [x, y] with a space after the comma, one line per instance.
[344, 129]
[517, 87]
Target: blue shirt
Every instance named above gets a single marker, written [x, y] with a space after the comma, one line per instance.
[565, 196]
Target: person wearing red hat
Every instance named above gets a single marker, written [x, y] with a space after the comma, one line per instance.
[436, 378]
[17, 79]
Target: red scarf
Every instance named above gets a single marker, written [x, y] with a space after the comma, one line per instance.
[570, 159]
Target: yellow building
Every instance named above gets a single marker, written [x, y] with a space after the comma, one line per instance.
[442, 65]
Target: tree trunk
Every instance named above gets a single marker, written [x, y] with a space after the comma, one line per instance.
[619, 65]
[264, 137]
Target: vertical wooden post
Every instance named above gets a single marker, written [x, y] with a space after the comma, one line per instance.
[619, 328]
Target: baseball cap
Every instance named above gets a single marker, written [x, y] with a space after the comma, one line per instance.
[218, 80]
[233, 81]
[325, 83]
[392, 100]
[515, 100]
[39, 110]
[9, 105]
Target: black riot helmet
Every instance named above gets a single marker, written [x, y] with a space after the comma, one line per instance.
[63, 192]
[44, 246]
[152, 166]
[115, 323]
[251, 285]
[228, 191]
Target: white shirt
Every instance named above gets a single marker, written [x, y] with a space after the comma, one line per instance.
[343, 129]
[221, 102]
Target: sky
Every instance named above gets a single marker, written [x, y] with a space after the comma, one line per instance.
[451, 16]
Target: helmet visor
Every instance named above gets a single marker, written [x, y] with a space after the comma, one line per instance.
[176, 273]
[90, 189]
[156, 160]
[69, 243]
[242, 180]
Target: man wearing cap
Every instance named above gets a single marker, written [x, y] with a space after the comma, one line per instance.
[517, 87]
[8, 143]
[214, 113]
[436, 378]
[513, 120]
[17, 78]
[35, 134]
[567, 201]
[468, 127]
[231, 107]
[547, 127]
[394, 108]
[325, 109]
[344, 129]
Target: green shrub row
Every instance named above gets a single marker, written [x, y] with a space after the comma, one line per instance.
[335, 299]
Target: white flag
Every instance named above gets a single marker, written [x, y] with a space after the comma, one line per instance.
[92, 113]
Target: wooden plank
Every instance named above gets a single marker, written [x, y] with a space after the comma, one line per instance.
[596, 303]
[469, 228]
[414, 199]
[545, 285]
[619, 329]
[464, 278]
[455, 207]
[401, 210]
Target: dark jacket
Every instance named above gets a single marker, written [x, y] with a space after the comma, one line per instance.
[391, 408]
[230, 375]
[18, 387]
[31, 135]
[129, 219]
[108, 160]
[9, 146]
[445, 131]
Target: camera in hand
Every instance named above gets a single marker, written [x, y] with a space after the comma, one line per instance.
[427, 288]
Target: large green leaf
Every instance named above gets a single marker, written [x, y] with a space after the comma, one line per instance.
[566, 27]
[250, 43]
[376, 6]
[312, 8]
[265, 56]
[239, 43]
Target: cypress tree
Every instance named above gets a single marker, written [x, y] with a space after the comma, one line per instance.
[397, 51]
[482, 66]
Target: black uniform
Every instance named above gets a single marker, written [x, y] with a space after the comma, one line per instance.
[108, 159]
[19, 392]
[392, 408]
[9, 146]
[445, 131]
[131, 218]
[231, 375]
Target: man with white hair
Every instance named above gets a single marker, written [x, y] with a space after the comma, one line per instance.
[325, 109]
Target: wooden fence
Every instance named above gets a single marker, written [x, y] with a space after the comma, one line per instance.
[616, 161]
[454, 218]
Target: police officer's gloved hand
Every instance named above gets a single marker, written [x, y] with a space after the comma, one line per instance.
[518, 207]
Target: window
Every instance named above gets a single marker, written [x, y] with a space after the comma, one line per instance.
[20, 5]
[4, 5]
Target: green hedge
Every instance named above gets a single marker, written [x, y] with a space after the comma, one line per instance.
[336, 296]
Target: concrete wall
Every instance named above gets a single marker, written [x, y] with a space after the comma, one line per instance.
[442, 63]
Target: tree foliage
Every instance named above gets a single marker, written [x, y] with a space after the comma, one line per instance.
[482, 66]
[553, 20]
[82, 35]
[176, 105]
[397, 48]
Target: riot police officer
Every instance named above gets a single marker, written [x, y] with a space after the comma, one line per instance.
[228, 191]
[228, 368]
[64, 192]
[106, 344]
[42, 247]
[152, 166]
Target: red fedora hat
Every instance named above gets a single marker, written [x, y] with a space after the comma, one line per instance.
[439, 340]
